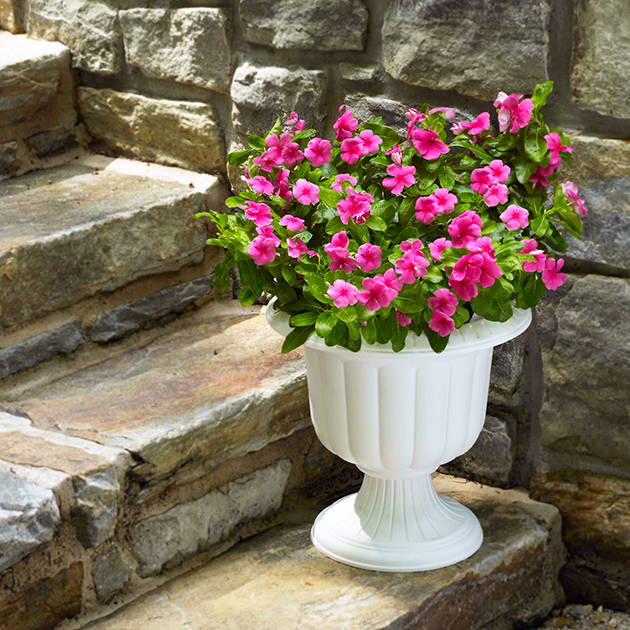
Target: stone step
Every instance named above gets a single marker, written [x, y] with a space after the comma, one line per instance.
[166, 452]
[278, 580]
[93, 225]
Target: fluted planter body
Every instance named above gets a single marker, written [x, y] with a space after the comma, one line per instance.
[398, 417]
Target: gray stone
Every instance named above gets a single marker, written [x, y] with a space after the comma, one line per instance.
[8, 157]
[585, 331]
[187, 45]
[51, 142]
[366, 107]
[9, 20]
[474, 47]
[28, 516]
[353, 72]
[88, 27]
[192, 527]
[601, 57]
[30, 73]
[65, 236]
[262, 93]
[96, 511]
[42, 347]
[507, 372]
[491, 458]
[110, 573]
[148, 311]
[176, 133]
[313, 25]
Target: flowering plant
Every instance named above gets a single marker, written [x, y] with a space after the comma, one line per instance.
[377, 233]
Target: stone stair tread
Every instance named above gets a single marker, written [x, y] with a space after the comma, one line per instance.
[278, 580]
[214, 384]
[92, 225]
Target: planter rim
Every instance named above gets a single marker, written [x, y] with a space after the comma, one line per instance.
[476, 334]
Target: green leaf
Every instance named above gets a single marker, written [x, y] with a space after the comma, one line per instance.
[221, 274]
[376, 223]
[535, 144]
[524, 169]
[493, 303]
[437, 342]
[236, 158]
[326, 321]
[334, 225]
[247, 296]
[399, 336]
[461, 316]
[447, 177]
[338, 336]
[539, 225]
[389, 136]
[256, 142]
[532, 292]
[359, 231]
[296, 338]
[369, 331]
[541, 92]
[347, 314]
[233, 202]
[318, 286]
[406, 210]
[329, 196]
[303, 319]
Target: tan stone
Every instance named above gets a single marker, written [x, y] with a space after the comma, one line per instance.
[45, 603]
[596, 158]
[278, 580]
[8, 17]
[176, 133]
[596, 529]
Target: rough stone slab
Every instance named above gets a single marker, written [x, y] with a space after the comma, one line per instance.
[110, 573]
[436, 44]
[354, 72]
[586, 367]
[215, 388]
[88, 27]
[315, 25]
[72, 231]
[277, 578]
[601, 57]
[189, 528]
[507, 372]
[8, 157]
[186, 45]
[596, 530]
[8, 16]
[260, 93]
[170, 132]
[28, 517]
[148, 311]
[601, 167]
[491, 458]
[30, 73]
[62, 340]
[45, 603]
[51, 142]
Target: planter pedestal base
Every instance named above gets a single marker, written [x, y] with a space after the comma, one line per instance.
[397, 525]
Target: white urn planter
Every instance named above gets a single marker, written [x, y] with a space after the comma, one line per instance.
[398, 417]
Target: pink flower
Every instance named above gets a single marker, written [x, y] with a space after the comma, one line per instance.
[282, 185]
[262, 250]
[396, 154]
[402, 319]
[291, 154]
[340, 259]
[340, 239]
[260, 185]
[571, 190]
[370, 141]
[449, 112]
[496, 194]
[530, 246]
[376, 294]
[480, 180]
[498, 171]
[265, 162]
[515, 217]
[267, 232]
[369, 257]
[413, 116]
[346, 124]
[555, 146]
[343, 293]
[513, 113]
[442, 324]
[411, 246]
[540, 177]
[355, 206]
[318, 151]
[401, 177]
[426, 209]
[428, 144]
[297, 247]
[259, 213]
[276, 144]
[295, 224]
[438, 246]
[295, 122]
[444, 200]
[551, 276]
[465, 228]
[305, 192]
[352, 150]
[474, 127]
[444, 301]
[483, 244]
[391, 280]
[343, 177]
[472, 269]
[410, 266]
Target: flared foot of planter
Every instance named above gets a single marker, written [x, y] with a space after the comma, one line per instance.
[400, 525]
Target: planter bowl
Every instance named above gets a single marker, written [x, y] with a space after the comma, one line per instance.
[398, 417]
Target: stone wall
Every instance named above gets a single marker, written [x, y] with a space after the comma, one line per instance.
[184, 81]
